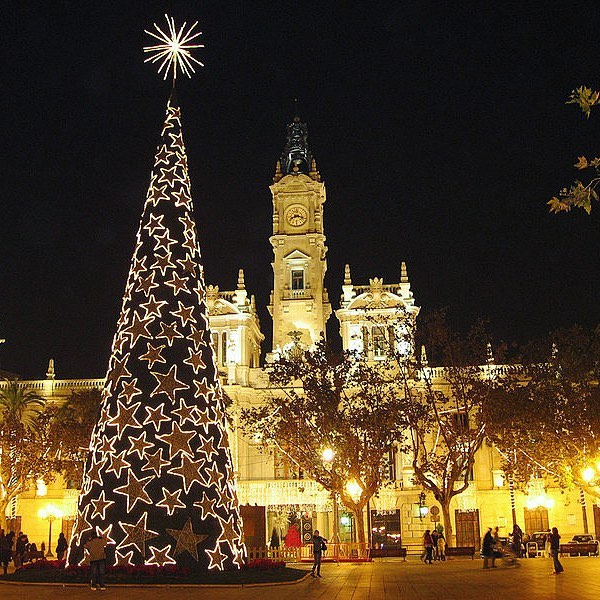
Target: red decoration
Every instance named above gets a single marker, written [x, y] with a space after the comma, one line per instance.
[292, 539]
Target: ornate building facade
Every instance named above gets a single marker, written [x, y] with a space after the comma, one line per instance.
[271, 491]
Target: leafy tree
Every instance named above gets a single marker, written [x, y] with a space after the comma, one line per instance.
[548, 424]
[334, 402]
[580, 194]
[444, 415]
[24, 447]
[71, 427]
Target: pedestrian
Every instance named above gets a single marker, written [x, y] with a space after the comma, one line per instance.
[487, 549]
[441, 546]
[434, 538]
[95, 547]
[61, 546]
[6, 542]
[517, 540]
[20, 549]
[547, 546]
[319, 546]
[554, 550]
[428, 546]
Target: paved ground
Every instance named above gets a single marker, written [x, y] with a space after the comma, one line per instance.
[384, 579]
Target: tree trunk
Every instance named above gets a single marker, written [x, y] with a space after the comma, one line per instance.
[359, 519]
[3, 506]
[448, 534]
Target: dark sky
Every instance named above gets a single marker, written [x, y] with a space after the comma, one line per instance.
[440, 132]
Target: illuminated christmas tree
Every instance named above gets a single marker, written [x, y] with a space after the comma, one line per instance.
[159, 480]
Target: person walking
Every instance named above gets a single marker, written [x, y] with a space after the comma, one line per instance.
[6, 542]
[61, 546]
[434, 538]
[95, 547]
[20, 549]
[428, 546]
[487, 549]
[441, 547]
[517, 540]
[554, 550]
[319, 547]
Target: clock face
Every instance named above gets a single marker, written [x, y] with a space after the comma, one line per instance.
[296, 216]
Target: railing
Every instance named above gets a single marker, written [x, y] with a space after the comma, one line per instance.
[49, 387]
[345, 551]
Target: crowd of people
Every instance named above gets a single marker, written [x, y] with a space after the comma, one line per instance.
[20, 551]
[518, 546]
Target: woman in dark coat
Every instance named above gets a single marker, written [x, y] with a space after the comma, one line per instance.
[428, 547]
[61, 546]
[554, 550]
[6, 542]
[487, 549]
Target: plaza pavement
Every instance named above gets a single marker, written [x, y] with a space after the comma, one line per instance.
[384, 579]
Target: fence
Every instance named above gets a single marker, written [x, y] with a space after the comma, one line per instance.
[344, 552]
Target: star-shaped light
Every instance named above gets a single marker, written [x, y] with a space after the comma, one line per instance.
[216, 558]
[160, 556]
[168, 383]
[174, 50]
[137, 534]
[154, 462]
[206, 506]
[178, 440]
[100, 505]
[186, 539]
[171, 501]
[134, 490]
[189, 472]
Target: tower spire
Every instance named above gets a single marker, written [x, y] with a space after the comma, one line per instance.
[296, 157]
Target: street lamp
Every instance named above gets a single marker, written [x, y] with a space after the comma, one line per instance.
[354, 489]
[328, 455]
[50, 513]
[588, 474]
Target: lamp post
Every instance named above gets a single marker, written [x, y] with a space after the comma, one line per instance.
[588, 476]
[50, 513]
[328, 456]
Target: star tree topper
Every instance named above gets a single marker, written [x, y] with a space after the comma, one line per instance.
[174, 51]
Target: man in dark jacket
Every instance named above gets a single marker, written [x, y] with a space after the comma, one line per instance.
[487, 549]
[318, 547]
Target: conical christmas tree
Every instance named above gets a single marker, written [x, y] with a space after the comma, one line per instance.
[159, 481]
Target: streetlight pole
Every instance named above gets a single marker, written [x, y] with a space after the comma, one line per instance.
[50, 513]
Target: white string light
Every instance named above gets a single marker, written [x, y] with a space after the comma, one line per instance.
[174, 51]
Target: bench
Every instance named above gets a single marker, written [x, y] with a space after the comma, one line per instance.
[460, 551]
[575, 549]
[388, 552]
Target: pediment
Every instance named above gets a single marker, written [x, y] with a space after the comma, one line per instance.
[376, 299]
[222, 307]
[296, 255]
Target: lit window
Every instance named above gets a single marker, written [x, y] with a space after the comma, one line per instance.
[297, 279]
[379, 344]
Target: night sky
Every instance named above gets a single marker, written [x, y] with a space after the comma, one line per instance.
[440, 133]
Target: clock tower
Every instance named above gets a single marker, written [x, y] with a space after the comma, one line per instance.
[299, 303]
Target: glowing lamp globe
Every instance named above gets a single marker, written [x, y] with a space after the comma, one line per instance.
[328, 454]
[588, 474]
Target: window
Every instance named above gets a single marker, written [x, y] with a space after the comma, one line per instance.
[297, 279]
[224, 349]
[379, 342]
[390, 465]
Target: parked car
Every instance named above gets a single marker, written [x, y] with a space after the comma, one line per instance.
[584, 538]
